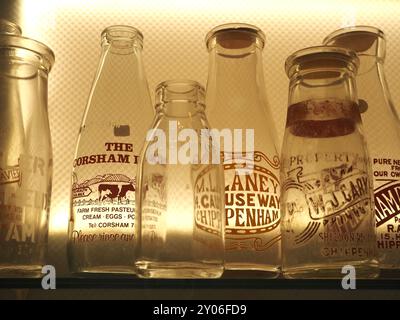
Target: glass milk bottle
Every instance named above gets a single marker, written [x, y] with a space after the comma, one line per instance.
[116, 119]
[25, 153]
[180, 196]
[326, 198]
[382, 130]
[236, 99]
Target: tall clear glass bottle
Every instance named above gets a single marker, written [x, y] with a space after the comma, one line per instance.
[25, 153]
[382, 130]
[236, 99]
[180, 218]
[116, 119]
[326, 199]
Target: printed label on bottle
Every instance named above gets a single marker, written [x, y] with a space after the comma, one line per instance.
[329, 206]
[386, 173]
[10, 174]
[251, 203]
[109, 158]
[104, 207]
[208, 209]
[387, 209]
[24, 205]
[154, 208]
[207, 200]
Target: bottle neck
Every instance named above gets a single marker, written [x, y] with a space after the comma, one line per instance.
[120, 88]
[122, 49]
[235, 81]
[372, 85]
[120, 69]
[322, 85]
[179, 99]
[370, 45]
[180, 109]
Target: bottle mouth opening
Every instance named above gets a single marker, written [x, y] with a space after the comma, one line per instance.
[322, 60]
[358, 38]
[122, 35]
[181, 90]
[358, 31]
[235, 36]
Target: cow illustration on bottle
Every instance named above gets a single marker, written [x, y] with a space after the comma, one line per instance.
[114, 191]
[110, 187]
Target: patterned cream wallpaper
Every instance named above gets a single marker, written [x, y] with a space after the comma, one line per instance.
[174, 47]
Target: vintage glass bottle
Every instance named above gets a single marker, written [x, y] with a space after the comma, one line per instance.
[382, 131]
[326, 196]
[236, 99]
[117, 117]
[25, 153]
[180, 194]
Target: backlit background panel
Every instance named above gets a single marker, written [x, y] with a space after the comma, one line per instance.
[174, 47]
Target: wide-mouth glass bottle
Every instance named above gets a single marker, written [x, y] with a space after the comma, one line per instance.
[25, 153]
[382, 130]
[237, 102]
[326, 197]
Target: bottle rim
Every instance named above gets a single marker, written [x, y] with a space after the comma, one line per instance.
[9, 27]
[122, 32]
[180, 87]
[360, 29]
[318, 52]
[175, 82]
[235, 26]
[14, 41]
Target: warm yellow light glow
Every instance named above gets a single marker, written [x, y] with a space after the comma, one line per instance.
[59, 23]
[59, 218]
[349, 16]
[40, 16]
[35, 11]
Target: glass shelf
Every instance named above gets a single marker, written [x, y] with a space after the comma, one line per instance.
[132, 282]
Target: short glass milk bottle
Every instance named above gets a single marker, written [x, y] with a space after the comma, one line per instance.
[326, 197]
[180, 221]
[26, 159]
[382, 130]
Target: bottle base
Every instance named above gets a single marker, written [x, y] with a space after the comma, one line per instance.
[21, 271]
[178, 270]
[112, 270]
[363, 271]
[248, 271]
